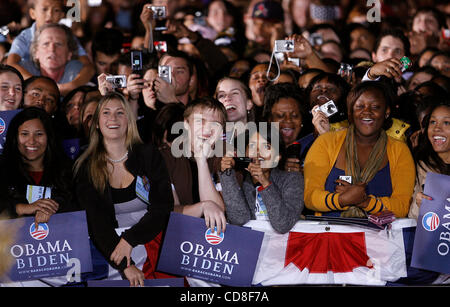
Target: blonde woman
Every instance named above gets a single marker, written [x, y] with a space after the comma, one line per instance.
[122, 183]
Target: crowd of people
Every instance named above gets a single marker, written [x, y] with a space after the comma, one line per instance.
[349, 96]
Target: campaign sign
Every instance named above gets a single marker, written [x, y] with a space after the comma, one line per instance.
[431, 249]
[163, 282]
[190, 249]
[46, 250]
[5, 118]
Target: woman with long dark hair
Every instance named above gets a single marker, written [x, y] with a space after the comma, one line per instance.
[267, 192]
[432, 153]
[33, 157]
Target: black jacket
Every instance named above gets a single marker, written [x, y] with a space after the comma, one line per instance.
[13, 187]
[143, 160]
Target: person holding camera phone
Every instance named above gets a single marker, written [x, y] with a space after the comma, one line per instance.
[304, 51]
[267, 192]
[381, 167]
[390, 46]
[322, 90]
[284, 105]
[179, 71]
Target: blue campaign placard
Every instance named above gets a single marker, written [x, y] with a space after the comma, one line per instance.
[163, 282]
[5, 119]
[191, 249]
[47, 250]
[431, 249]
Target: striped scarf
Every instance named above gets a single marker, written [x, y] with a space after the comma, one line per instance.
[353, 169]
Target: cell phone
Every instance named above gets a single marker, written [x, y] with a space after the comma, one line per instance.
[382, 218]
[346, 179]
[406, 63]
[136, 62]
[293, 151]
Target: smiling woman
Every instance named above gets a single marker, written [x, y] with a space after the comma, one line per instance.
[267, 192]
[236, 98]
[31, 157]
[11, 88]
[382, 169]
[124, 184]
[433, 151]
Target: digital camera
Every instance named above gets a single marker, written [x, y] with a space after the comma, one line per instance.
[160, 46]
[345, 69]
[4, 30]
[117, 81]
[165, 73]
[243, 162]
[284, 46]
[316, 39]
[159, 12]
[446, 34]
[328, 108]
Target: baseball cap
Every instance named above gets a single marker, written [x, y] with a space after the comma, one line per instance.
[268, 10]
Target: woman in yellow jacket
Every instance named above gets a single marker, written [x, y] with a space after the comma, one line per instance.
[381, 168]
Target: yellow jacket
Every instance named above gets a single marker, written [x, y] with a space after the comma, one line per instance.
[397, 130]
[321, 158]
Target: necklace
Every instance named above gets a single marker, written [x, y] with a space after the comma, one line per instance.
[118, 160]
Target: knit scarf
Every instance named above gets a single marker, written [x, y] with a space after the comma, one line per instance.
[353, 169]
